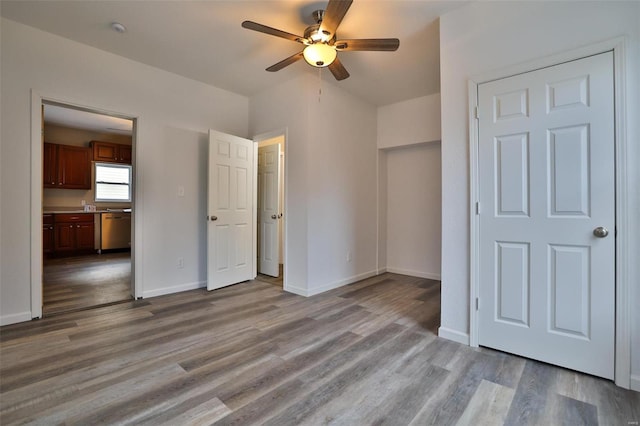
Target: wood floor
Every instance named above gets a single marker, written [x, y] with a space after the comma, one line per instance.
[277, 281]
[79, 282]
[362, 354]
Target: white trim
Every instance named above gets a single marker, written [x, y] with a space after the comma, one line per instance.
[456, 336]
[623, 259]
[254, 224]
[410, 145]
[37, 99]
[285, 262]
[307, 293]
[377, 211]
[635, 382]
[175, 289]
[300, 291]
[15, 318]
[137, 209]
[36, 204]
[412, 273]
[623, 283]
[474, 239]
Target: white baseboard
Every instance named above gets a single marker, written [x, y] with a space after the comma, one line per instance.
[15, 318]
[635, 382]
[382, 270]
[307, 293]
[174, 289]
[456, 336]
[342, 282]
[296, 290]
[428, 275]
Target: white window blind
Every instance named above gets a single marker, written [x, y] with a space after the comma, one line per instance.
[113, 182]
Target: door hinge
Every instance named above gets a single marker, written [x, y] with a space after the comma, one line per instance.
[477, 303]
[476, 113]
[477, 207]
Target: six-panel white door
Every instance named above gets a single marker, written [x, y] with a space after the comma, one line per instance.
[231, 213]
[546, 182]
[268, 210]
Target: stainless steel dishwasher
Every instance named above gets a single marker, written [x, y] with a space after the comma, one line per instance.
[115, 230]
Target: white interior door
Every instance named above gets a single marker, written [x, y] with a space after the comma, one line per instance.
[269, 216]
[230, 239]
[546, 190]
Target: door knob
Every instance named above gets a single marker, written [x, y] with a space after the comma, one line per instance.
[601, 232]
[280, 215]
[214, 218]
[273, 216]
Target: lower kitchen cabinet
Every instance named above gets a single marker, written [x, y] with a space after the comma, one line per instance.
[74, 234]
[47, 234]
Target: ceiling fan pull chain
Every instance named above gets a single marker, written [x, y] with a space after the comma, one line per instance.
[319, 84]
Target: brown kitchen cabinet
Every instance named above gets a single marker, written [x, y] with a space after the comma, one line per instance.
[47, 234]
[110, 152]
[66, 166]
[74, 233]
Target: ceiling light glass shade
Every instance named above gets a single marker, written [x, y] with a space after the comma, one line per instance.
[319, 55]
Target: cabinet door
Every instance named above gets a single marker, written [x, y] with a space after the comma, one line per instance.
[105, 151]
[124, 152]
[85, 237]
[65, 238]
[47, 238]
[74, 167]
[49, 166]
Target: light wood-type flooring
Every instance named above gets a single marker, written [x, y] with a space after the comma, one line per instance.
[79, 282]
[277, 281]
[363, 354]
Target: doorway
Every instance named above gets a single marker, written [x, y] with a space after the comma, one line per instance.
[86, 208]
[270, 207]
[546, 192]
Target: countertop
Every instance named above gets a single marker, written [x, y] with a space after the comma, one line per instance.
[72, 210]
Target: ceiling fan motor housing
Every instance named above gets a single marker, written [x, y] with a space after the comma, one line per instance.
[319, 40]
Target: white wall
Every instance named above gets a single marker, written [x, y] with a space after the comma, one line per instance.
[342, 190]
[175, 114]
[486, 36]
[409, 122]
[285, 107]
[330, 181]
[409, 186]
[413, 210]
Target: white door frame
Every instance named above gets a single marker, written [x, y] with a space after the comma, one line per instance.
[37, 98]
[623, 284]
[257, 139]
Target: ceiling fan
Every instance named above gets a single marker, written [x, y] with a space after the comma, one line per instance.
[321, 44]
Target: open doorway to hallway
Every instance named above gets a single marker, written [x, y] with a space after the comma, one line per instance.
[86, 208]
[270, 250]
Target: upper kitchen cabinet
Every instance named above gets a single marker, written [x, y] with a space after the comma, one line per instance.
[66, 166]
[111, 152]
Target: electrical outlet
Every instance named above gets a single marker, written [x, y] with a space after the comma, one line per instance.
[83, 203]
[180, 262]
[349, 256]
[180, 191]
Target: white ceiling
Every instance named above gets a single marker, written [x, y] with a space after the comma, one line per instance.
[203, 40]
[78, 119]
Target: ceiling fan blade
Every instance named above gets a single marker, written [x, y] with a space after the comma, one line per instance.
[338, 70]
[250, 25]
[336, 9]
[285, 62]
[377, 44]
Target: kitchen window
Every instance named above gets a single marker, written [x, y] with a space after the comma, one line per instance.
[112, 182]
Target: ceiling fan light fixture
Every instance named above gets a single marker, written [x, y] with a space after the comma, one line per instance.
[319, 55]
